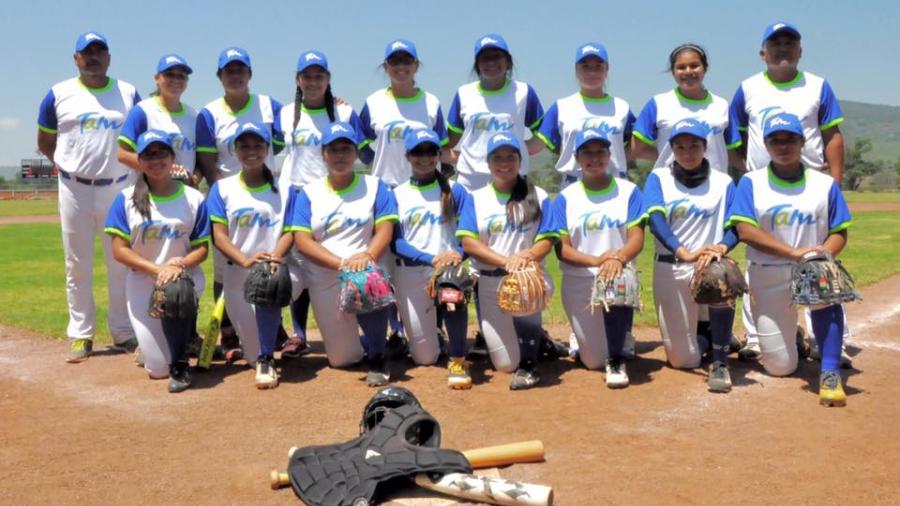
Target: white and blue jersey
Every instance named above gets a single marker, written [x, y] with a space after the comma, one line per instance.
[478, 114]
[655, 122]
[484, 218]
[807, 96]
[567, 116]
[217, 123]
[177, 223]
[695, 215]
[87, 122]
[151, 114]
[423, 232]
[597, 221]
[253, 215]
[303, 161]
[800, 214]
[387, 120]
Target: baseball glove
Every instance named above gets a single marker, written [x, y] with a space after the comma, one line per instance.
[523, 292]
[452, 285]
[174, 300]
[819, 279]
[266, 288]
[365, 291]
[623, 290]
[720, 282]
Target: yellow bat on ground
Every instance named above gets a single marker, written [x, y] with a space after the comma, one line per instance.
[211, 337]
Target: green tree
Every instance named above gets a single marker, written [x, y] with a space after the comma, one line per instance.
[856, 166]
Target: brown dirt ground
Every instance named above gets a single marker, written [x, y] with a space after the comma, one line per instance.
[102, 433]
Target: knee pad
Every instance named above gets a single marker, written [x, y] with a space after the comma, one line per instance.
[779, 364]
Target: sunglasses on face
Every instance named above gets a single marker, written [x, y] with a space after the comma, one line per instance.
[155, 154]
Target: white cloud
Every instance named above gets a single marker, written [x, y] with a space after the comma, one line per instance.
[7, 123]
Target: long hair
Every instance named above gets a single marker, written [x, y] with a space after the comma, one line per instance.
[523, 206]
[267, 175]
[448, 203]
[140, 198]
[298, 105]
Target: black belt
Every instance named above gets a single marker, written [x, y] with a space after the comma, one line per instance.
[409, 263]
[493, 273]
[106, 181]
[669, 259]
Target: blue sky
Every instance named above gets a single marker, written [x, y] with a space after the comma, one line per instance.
[853, 47]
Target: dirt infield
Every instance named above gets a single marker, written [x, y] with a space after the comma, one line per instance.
[101, 432]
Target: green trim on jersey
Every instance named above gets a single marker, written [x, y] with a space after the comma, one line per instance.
[363, 144]
[444, 142]
[117, 232]
[218, 219]
[594, 100]
[455, 129]
[499, 91]
[563, 232]
[388, 217]
[424, 187]
[162, 107]
[831, 124]
[499, 193]
[701, 101]
[639, 221]
[554, 236]
[596, 193]
[242, 110]
[777, 181]
[317, 111]
[418, 96]
[168, 198]
[657, 209]
[200, 240]
[734, 145]
[253, 189]
[202, 149]
[102, 89]
[296, 228]
[346, 190]
[547, 141]
[734, 220]
[46, 130]
[467, 233]
[643, 138]
[130, 143]
[843, 226]
[786, 84]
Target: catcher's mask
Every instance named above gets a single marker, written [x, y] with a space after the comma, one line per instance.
[386, 399]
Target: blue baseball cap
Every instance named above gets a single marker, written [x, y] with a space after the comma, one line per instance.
[689, 126]
[339, 130]
[170, 60]
[421, 136]
[310, 58]
[398, 45]
[490, 40]
[230, 54]
[782, 122]
[503, 139]
[88, 38]
[590, 134]
[260, 130]
[591, 49]
[779, 27]
[146, 139]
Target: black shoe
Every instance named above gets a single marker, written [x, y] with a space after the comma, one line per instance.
[552, 350]
[397, 346]
[379, 374]
[524, 379]
[179, 377]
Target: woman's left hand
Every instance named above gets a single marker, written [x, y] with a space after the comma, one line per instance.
[611, 268]
[168, 273]
[709, 253]
[358, 262]
[446, 259]
[519, 261]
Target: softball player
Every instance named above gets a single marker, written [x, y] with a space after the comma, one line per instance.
[781, 213]
[159, 229]
[481, 109]
[343, 220]
[78, 123]
[503, 227]
[687, 202]
[165, 112]
[304, 122]
[246, 214]
[591, 107]
[688, 64]
[428, 206]
[601, 223]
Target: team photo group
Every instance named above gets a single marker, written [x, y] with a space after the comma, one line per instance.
[393, 220]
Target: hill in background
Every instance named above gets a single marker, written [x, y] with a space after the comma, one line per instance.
[878, 123]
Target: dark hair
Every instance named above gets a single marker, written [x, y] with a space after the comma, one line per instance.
[689, 46]
[298, 104]
[140, 197]
[267, 175]
[448, 203]
[509, 63]
[523, 206]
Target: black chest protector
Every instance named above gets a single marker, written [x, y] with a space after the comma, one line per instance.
[404, 443]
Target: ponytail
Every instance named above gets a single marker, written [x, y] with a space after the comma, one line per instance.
[140, 198]
[523, 206]
[298, 108]
[448, 203]
[267, 175]
[329, 103]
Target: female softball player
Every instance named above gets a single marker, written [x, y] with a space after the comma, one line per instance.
[781, 213]
[165, 112]
[492, 104]
[303, 123]
[688, 64]
[344, 220]
[601, 223]
[159, 229]
[590, 107]
[505, 226]
[246, 214]
[687, 202]
[428, 206]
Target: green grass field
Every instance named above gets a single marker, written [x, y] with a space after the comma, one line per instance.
[28, 207]
[32, 289]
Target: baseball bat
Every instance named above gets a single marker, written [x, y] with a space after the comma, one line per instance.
[212, 334]
[512, 453]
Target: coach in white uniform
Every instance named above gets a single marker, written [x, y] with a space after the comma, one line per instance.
[79, 121]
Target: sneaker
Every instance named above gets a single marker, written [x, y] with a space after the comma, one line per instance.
[628, 352]
[397, 346]
[233, 355]
[281, 338]
[294, 347]
[750, 351]
[616, 377]
[79, 350]
[524, 379]
[179, 377]
[479, 347]
[831, 393]
[378, 374]
[735, 344]
[458, 370]
[266, 375]
[129, 346]
[139, 357]
[573, 345]
[719, 378]
[552, 350]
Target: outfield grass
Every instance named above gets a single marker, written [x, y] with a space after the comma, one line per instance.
[872, 197]
[28, 207]
[32, 288]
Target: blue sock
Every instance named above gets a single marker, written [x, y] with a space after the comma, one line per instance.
[529, 333]
[456, 323]
[374, 326]
[268, 320]
[300, 314]
[177, 333]
[721, 320]
[828, 327]
[616, 322]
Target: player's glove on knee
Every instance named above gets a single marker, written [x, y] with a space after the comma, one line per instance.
[720, 282]
[819, 279]
[268, 285]
[174, 300]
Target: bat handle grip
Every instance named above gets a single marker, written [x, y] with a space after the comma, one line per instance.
[278, 479]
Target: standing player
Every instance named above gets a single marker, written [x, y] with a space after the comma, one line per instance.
[688, 64]
[687, 202]
[601, 224]
[505, 226]
[78, 123]
[344, 220]
[782, 213]
[428, 206]
[782, 87]
[246, 213]
[303, 123]
[492, 104]
[165, 112]
[159, 230]
[591, 107]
